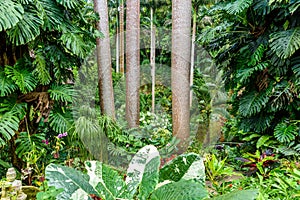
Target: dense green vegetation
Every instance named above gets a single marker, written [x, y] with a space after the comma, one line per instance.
[58, 132]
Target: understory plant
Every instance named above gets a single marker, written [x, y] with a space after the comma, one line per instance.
[182, 178]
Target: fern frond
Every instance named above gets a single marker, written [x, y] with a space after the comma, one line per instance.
[41, 71]
[63, 93]
[238, 6]
[285, 43]
[7, 86]
[285, 133]
[252, 103]
[10, 14]
[28, 28]
[60, 121]
[22, 77]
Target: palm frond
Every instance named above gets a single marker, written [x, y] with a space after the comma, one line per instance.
[285, 43]
[11, 14]
[41, 71]
[22, 78]
[28, 28]
[7, 86]
[63, 93]
[237, 6]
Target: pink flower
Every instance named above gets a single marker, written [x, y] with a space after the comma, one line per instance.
[45, 141]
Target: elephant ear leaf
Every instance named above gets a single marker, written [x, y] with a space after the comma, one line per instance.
[72, 181]
[108, 183]
[239, 195]
[184, 167]
[143, 172]
[181, 190]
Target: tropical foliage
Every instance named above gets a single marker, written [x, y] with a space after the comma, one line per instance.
[256, 43]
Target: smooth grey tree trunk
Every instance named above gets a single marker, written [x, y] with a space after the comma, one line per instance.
[180, 70]
[133, 63]
[105, 85]
[121, 38]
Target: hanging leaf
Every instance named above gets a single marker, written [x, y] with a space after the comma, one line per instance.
[28, 28]
[10, 14]
[285, 43]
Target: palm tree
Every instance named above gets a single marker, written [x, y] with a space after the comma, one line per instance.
[180, 70]
[132, 63]
[104, 61]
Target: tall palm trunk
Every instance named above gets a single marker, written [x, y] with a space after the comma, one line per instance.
[104, 71]
[180, 70]
[121, 38]
[133, 63]
[152, 59]
[193, 54]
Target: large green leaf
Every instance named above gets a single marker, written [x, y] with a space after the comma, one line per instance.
[238, 6]
[63, 93]
[28, 28]
[10, 14]
[60, 121]
[75, 43]
[70, 4]
[252, 103]
[285, 43]
[72, 181]
[239, 195]
[182, 190]
[184, 167]
[54, 15]
[41, 70]
[11, 114]
[7, 86]
[107, 181]
[22, 77]
[142, 173]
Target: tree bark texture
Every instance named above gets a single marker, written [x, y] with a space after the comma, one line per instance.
[121, 39]
[180, 70]
[133, 63]
[104, 61]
